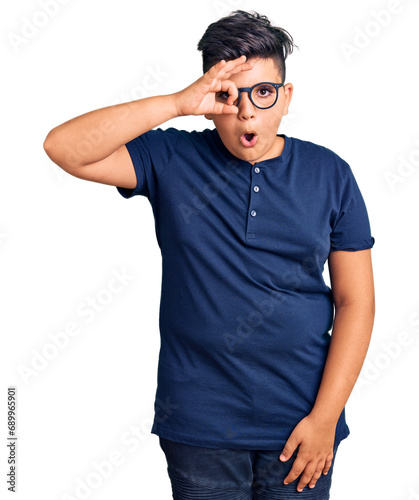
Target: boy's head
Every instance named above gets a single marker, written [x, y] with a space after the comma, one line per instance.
[244, 33]
[251, 134]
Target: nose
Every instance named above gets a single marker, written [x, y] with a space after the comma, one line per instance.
[246, 108]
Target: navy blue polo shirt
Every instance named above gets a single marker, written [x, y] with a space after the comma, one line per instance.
[245, 315]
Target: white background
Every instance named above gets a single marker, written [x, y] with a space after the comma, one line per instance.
[61, 238]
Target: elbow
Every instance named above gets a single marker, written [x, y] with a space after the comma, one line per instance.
[366, 306]
[47, 143]
[50, 140]
[362, 299]
[58, 153]
[50, 147]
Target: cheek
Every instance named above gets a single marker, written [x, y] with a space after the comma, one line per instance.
[272, 123]
[223, 125]
[271, 126]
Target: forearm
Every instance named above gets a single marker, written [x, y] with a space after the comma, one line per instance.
[93, 136]
[351, 335]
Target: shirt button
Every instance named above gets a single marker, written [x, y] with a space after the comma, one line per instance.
[256, 189]
[257, 170]
[253, 213]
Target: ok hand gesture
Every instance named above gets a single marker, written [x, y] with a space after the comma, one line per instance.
[200, 97]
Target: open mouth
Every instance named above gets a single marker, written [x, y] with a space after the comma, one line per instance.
[249, 140]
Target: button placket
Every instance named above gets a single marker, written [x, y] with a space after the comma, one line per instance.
[254, 203]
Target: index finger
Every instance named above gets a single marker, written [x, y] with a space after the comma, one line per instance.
[242, 67]
[238, 60]
[227, 67]
[234, 63]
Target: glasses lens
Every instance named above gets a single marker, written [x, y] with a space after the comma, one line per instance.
[264, 95]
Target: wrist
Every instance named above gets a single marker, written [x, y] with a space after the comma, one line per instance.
[177, 103]
[324, 417]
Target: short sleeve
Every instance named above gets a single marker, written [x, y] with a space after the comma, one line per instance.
[351, 228]
[150, 154]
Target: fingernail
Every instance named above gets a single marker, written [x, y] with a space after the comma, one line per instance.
[282, 457]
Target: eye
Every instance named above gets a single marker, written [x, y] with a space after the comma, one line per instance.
[264, 91]
[223, 95]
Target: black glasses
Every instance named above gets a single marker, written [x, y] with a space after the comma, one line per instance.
[262, 95]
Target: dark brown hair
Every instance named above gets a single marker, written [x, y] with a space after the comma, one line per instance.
[245, 33]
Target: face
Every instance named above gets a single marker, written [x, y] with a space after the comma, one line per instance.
[264, 123]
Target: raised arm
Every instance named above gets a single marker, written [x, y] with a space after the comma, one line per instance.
[92, 146]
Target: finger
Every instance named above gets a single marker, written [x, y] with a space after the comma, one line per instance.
[307, 476]
[239, 60]
[236, 65]
[224, 109]
[229, 64]
[326, 469]
[288, 450]
[231, 88]
[315, 477]
[224, 68]
[295, 471]
[220, 108]
[229, 110]
[223, 75]
[327, 465]
[239, 69]
[243, 67]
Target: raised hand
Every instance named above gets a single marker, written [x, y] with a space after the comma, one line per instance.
[200, 98]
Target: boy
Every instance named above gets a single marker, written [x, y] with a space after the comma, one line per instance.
[251, 385]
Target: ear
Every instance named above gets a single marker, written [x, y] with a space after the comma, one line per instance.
[289, 89]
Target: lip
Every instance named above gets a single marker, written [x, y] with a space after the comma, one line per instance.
[245, 142]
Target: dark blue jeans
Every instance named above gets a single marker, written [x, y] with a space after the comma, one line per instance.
[209, 473]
